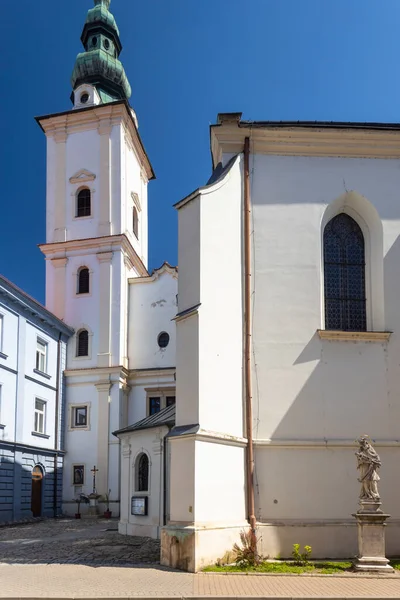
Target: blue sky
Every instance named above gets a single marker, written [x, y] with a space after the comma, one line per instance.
[186, 61]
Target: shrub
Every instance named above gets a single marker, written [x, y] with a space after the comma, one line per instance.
[301, 558]
[247, 554]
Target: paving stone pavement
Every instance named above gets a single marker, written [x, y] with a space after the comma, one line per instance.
[79, 582]
[67, 558]
[65, 541]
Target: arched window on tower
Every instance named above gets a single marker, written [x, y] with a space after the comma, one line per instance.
[83, 203]
[142, 473]
[82, 343]
[83, 281]
[344, 275]
[135, 222]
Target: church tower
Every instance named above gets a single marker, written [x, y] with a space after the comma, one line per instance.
[96, 239]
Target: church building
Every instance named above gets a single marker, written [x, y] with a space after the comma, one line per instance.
[280, 343]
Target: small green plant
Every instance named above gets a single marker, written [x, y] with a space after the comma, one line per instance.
[301, 558]
[246, 553]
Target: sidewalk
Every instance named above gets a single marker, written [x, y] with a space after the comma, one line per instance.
[77, 581]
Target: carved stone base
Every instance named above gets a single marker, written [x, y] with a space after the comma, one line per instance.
[371, 538]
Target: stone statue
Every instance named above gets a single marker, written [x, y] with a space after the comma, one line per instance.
[106, 3]
[368, 463]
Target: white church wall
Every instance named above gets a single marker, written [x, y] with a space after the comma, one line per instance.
[189, 249]
[152, 306]
[187, 369]
[313, 397]
[8, 383]
[81, 443]
[219, 499]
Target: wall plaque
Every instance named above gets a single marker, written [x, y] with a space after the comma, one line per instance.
[139, 506]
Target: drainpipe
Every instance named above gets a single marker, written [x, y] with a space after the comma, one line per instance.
[247, 343]
[56, 437]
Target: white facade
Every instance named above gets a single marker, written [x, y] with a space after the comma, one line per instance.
[314, 391]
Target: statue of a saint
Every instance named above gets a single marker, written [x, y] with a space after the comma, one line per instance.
[368, 463]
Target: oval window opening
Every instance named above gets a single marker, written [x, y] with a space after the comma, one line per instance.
[163, 339]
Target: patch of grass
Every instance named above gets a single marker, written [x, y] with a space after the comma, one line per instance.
[395, 563]
[286, 567]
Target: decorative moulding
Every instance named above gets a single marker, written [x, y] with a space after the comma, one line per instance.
[136, 201]
[82, 176]
[354, 336]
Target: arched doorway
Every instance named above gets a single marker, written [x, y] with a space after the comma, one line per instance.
[36, 497]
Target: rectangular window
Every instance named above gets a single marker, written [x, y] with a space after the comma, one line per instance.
[41, 356]
[79, 416]
[154, 405]
[79, 474]
[1, 332]
[165, 397]
[170, 400]
[40, 414]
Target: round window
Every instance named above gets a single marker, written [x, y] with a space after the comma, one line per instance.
[84, 98]
[163, 339]
[94, 41]
[106, 44]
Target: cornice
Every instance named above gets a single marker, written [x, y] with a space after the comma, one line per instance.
[98, 245]
[102, 117]
[228, 138]
[100, 371]
[146, 373]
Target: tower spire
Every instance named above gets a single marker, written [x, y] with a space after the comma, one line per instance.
[99, 66]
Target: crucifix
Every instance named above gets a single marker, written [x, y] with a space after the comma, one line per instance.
[94, 471]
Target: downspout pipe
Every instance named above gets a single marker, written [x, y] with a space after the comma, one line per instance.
[56, 431]
[247, 343]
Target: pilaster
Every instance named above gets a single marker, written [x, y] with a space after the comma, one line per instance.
[104, 131]
[104, 351]
[103, 408]
[58, 301]
[126, 482]
[60, 232]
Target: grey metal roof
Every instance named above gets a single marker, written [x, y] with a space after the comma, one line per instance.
[166, 416]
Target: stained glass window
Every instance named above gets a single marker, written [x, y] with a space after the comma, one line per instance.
[344, 275]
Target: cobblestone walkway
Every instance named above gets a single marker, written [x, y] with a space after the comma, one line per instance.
[71, 541]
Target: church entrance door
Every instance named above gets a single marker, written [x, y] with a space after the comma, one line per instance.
[36, 498]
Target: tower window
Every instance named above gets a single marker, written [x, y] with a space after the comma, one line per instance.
[83, 281]
[84, 98]
[106, 44]
[82, 346]
[135, 222]
[83, 203]
[94, 41]
[344, 275]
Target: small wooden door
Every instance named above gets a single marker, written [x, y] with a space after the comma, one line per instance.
[36, 497]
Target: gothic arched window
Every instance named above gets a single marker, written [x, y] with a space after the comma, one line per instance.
[135, 222]
[82, 343]
[344, 275]
[83, 207]
[83, 280]
[142, 473]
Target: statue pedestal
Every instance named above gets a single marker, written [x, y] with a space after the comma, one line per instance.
[371, 538]
[93, 506]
